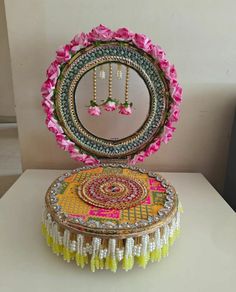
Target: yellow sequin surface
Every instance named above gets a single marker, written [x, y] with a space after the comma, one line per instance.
[75, 207]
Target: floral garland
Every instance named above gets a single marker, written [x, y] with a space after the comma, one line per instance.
[102, 33]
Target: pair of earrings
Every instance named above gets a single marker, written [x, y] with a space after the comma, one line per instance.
[102, 73]
[110, 103]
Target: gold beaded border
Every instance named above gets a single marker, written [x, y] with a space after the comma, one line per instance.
[77, 123]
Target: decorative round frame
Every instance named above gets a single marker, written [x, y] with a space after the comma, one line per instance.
[99, 46]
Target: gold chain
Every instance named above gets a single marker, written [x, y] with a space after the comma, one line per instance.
[95, 84]
[110, 81]
[127, 84]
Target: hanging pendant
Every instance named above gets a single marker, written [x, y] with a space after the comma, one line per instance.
[94, 109]
[110, 104]
[126, 107]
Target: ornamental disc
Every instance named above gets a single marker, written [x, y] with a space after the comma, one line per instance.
[112, 191]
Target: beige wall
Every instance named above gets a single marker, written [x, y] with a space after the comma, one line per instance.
[7, 107]
[199, 37]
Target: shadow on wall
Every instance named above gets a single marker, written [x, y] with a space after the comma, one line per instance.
[230, 179]
[10, 161]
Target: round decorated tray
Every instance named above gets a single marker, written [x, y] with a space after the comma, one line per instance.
[111, 99]
[111, 215]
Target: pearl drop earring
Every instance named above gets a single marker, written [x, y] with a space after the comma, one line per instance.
[94, 109]
[126, 107]
[111, 103]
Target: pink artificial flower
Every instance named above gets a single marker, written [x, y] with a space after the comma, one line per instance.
[100, 33]
[164, 65]
[151, 149]
[63, 54]
[169, 124]
[157, 52]
[110, 106]
[94, 111]
[177, 94]
[75, 154]
[172, 72]
[53, 72]
[48, 107]
[133, 161]
[60, 136]
[47, 88]
[123, 34]
[89, 160]
[141, 156]
[168, 133]
[137, 158]
[53, 125]
[154, 147]
[125, 109]
[65, 144]
[79, 41]
[142, 42]
[173, 84]
[175, 112]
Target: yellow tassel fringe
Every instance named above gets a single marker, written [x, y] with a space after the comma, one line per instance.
[109, 263]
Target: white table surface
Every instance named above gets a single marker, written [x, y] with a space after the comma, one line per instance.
[202, 259]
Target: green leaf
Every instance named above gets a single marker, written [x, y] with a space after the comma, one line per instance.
[93, 103]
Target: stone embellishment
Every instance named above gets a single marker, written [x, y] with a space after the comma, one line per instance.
[85, 218]
[112, 191]
[102, 54]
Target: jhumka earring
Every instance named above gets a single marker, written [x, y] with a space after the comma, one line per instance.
[110, 103]
[126, 107]
[94, 109]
